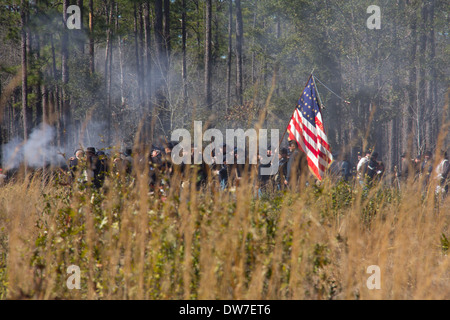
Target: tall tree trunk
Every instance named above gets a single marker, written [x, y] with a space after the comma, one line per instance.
[427, 90]
[230, 51]
[25, 113]
[253, 43]
[142, 54]
[421, 106]
[277, 36]
[432, 87]
[148, 55]
[55, 96]
[159, 35]
[161, 73]
[136, 51]
[208, 64]
[410, 109]
[45, 104]
[30, 66]
[394, 123]
[148, 130]
[81, 31]
[119, 46]
[108, 64]
[66, 115]
[198, 38]
[183, 48]
[34, 56]
[38, 104]
[91, 36]
[167, 37]
[239, 57]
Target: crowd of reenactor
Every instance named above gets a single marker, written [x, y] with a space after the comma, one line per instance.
[92, 167]
[370, 170]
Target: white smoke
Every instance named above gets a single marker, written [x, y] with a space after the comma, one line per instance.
[36, 152]
[41, 149]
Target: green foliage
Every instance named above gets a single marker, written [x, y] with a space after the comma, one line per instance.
[444, 243]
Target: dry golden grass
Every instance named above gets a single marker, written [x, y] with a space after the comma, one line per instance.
[313, 244]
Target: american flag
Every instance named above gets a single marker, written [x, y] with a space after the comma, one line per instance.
[306, 127]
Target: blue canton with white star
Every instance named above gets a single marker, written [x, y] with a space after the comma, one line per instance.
[308, 103]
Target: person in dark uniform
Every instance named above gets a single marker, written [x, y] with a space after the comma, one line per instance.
[92, 167]
[282, 169]
[296, 165]
[103, 168]
[265, 183]
[372, 167]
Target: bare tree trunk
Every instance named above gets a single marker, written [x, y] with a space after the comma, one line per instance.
[198, 35]
[230, 51]
[25, 113]
[208, 64]
[253, 42]
[409, 110]
[38, 104]
[277, 36]
[148, 55]
[159, 35]
[66, 115]
[148, 85]
[161, 56]
[239, 57]
[142, 54]
[432, 87]
[45, 105]
[422, 108]
[167, 37]
[81, 31]
[55, 96]
[30, 65]
[393, 136]
[183, 48]
[108, 63]
[119, 45]
[91, 36]
[136, 50]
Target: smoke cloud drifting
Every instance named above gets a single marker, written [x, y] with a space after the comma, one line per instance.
[36, 152]
[40, 149]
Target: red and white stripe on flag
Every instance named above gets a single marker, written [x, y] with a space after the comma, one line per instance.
[312, 140]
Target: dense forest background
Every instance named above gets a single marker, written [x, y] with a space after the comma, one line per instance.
[150, 67]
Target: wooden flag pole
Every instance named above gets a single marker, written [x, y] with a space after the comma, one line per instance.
[322, 106]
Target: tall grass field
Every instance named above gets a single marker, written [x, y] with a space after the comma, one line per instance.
[316, 242]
